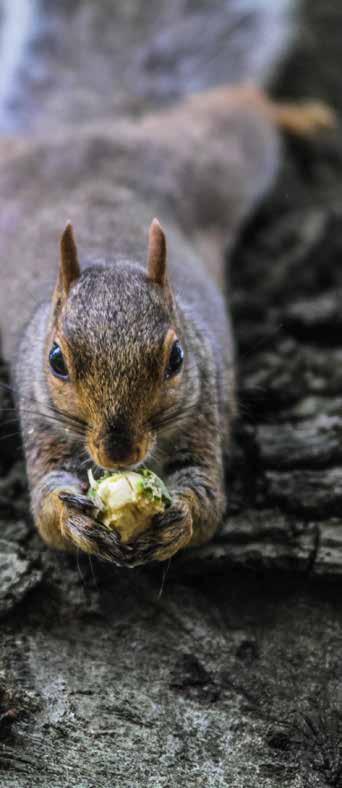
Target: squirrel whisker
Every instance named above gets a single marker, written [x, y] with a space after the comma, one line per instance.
[10, 435]
[72, 419]
[74, 422]
[7, 387]
[157, 455]
[61, 420]
[174, 416]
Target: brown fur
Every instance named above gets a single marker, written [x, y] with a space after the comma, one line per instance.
[157, 254]
[201, 166]
[69, 270]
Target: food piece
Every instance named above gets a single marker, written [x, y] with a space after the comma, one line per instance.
[128, 501]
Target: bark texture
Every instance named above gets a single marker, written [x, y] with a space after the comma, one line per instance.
[223, 668]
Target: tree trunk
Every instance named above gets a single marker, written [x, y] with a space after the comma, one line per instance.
[222, 668]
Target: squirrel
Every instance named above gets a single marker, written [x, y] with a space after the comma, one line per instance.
[127, 356]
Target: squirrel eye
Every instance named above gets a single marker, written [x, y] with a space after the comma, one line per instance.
[57, 362]
[175, 360]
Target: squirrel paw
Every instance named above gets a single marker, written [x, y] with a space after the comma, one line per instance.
[171, 531]
[79, 528]
[68, 521]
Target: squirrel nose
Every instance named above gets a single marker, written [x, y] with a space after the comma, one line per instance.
[118, 446]
[118, 442]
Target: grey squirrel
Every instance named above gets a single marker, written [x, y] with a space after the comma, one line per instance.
[127, 354]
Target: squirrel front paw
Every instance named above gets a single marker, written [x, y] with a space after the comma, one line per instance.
[170, 532]
[67, 522]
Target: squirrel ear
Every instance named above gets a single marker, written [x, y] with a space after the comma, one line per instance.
[157, 254]
[69, 269]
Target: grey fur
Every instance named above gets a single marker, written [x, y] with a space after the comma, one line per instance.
[200, 168]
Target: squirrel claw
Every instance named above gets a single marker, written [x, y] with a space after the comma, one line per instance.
[171, 531]
[95, 539]
[80, 502]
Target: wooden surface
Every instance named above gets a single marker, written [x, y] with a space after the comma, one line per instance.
[223, 668]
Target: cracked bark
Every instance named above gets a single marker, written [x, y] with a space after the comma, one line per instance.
[222, 669]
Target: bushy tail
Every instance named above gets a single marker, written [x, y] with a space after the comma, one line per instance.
[230, 42]
[161, 52]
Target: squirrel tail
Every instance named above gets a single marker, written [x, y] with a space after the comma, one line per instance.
[231, 42]
[266, 37]
[176, 49]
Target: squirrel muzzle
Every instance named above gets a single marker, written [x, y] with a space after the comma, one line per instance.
[117, 447]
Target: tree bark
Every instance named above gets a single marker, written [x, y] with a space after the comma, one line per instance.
[222, 668]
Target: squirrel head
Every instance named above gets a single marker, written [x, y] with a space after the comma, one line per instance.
[114, 352]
